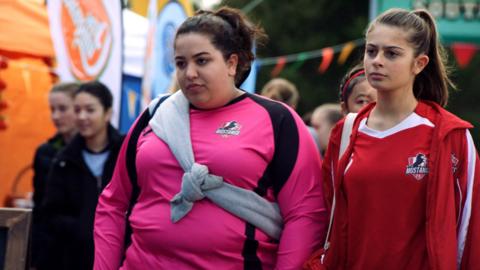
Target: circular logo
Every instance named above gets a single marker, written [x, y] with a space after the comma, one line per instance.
[88, 37]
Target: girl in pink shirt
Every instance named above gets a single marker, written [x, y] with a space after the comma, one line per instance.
[240, 142]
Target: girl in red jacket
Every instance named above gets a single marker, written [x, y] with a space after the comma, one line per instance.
[405, 193]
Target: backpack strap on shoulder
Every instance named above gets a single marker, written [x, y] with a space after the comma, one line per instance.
[344, 142]
[346, 132]
[131, 156]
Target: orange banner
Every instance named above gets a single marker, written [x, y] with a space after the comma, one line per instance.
[27, 122]
[25, 28]
[25, 43]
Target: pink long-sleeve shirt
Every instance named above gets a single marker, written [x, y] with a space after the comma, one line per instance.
[253, 143]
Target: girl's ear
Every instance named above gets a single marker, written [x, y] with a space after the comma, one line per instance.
[108, 115]
[421, 62]
[343, 105]
[232, 63]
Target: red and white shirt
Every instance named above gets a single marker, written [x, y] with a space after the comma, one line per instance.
[404, 198]
[386, 178]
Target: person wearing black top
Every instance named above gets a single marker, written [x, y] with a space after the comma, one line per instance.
[60, 100]
[79, 174]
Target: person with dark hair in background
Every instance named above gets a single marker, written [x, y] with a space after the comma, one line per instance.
[251, 157]
[405, 192]
[355, 91]
[78, 175]
[60, 100]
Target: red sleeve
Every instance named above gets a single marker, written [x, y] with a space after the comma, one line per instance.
[330, 163]
[469, 218]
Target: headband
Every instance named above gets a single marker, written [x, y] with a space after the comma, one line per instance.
[347, 83]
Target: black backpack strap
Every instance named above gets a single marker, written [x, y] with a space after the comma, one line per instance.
[142, 122]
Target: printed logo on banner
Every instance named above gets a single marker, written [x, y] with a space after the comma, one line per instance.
[88, 37]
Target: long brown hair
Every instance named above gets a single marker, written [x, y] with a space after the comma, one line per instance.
[433, 82]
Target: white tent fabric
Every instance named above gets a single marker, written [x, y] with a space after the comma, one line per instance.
[135, 28]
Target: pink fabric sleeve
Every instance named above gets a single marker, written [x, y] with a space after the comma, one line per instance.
[302, 206]
[110, 216]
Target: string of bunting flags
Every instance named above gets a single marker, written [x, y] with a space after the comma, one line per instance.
[463, 52]
[327, 55]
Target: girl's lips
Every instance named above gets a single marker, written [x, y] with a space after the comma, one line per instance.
[83, 127]
[194, 87]
[376, 76]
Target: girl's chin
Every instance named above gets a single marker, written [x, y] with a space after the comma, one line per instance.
[198, 100]
[85, 133]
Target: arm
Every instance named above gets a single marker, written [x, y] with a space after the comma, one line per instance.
[469, 216]
[329, 166]
[58, 209]
[39, 179]
[330, 163]
[301, 201]
[110, 216]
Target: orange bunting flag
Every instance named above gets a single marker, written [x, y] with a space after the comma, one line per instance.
[327, 57]
[345, 53]
[279, 66]
[464, 53]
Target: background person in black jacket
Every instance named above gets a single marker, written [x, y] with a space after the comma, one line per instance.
[79, 174]
[60, 100]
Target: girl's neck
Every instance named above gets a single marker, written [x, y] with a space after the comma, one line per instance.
[98, 142]
[392, 107]
[67, 137]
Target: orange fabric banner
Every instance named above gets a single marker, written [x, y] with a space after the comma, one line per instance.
[25, 28]
[25, 42]
[27, 122]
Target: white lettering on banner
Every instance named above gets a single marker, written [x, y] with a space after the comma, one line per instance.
[468, 9]
[88, 38]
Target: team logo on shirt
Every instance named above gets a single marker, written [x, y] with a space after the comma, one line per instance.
[417, 166]
[229, 128]
[454, 163]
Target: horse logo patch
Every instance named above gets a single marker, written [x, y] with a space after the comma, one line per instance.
[417, 166]
[229, 128]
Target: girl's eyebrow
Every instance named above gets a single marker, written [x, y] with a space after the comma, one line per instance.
[392, 47]
[195, 55]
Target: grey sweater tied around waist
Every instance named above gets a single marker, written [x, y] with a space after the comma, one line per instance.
[171, 123]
